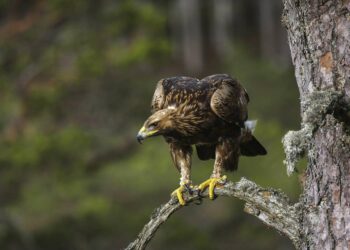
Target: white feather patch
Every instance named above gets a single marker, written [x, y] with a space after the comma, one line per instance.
[172, 106]
[250, 125]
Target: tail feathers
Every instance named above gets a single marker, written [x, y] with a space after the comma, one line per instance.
[250, 125]
[252, 147]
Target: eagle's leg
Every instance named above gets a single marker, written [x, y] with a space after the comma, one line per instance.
[226, 156]
[216, 179]
[181, 155]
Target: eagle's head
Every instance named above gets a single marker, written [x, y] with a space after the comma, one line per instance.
[158, 123]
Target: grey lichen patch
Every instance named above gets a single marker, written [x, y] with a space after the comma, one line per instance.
[315, 107]
[317, 104]
[245, 184]
[295, 145]
[278, 193]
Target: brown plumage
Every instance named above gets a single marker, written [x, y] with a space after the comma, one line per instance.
[208, 113]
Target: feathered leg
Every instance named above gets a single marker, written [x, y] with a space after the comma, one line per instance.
[226, 157]
[181, 155]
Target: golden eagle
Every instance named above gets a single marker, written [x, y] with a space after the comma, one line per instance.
[212, 115]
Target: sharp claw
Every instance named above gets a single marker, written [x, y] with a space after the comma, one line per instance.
[203, 185]
[178, 193]
[180, 198]
[211, 184]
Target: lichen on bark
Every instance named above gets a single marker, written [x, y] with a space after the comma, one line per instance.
[315, 107]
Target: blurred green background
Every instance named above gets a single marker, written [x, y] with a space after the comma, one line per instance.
[76, 81]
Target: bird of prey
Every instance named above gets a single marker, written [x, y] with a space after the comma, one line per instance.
[210, 114]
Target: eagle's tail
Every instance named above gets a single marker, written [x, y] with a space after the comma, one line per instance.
[250, 146]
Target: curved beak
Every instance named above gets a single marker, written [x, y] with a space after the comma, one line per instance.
[141, 135]
[144, 133]
[140, 138]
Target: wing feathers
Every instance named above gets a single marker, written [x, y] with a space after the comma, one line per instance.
[229, 101]
[228, 98]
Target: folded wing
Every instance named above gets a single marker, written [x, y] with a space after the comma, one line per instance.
[230, 99]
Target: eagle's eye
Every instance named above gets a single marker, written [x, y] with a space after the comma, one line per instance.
[152, 125]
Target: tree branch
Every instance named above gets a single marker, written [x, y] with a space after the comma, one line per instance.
[270, 206]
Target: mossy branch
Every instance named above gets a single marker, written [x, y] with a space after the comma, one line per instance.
[270, 206]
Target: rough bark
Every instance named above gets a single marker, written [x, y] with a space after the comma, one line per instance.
[270, 206]
[319, 37]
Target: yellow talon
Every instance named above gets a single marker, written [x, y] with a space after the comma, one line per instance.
[212, 183]
[178, 192]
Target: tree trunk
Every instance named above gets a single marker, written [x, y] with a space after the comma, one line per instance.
[319, 39]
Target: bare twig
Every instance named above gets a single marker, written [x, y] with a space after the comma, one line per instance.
[270, 206]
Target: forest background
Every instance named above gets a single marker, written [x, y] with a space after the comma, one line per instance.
[76, 81]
